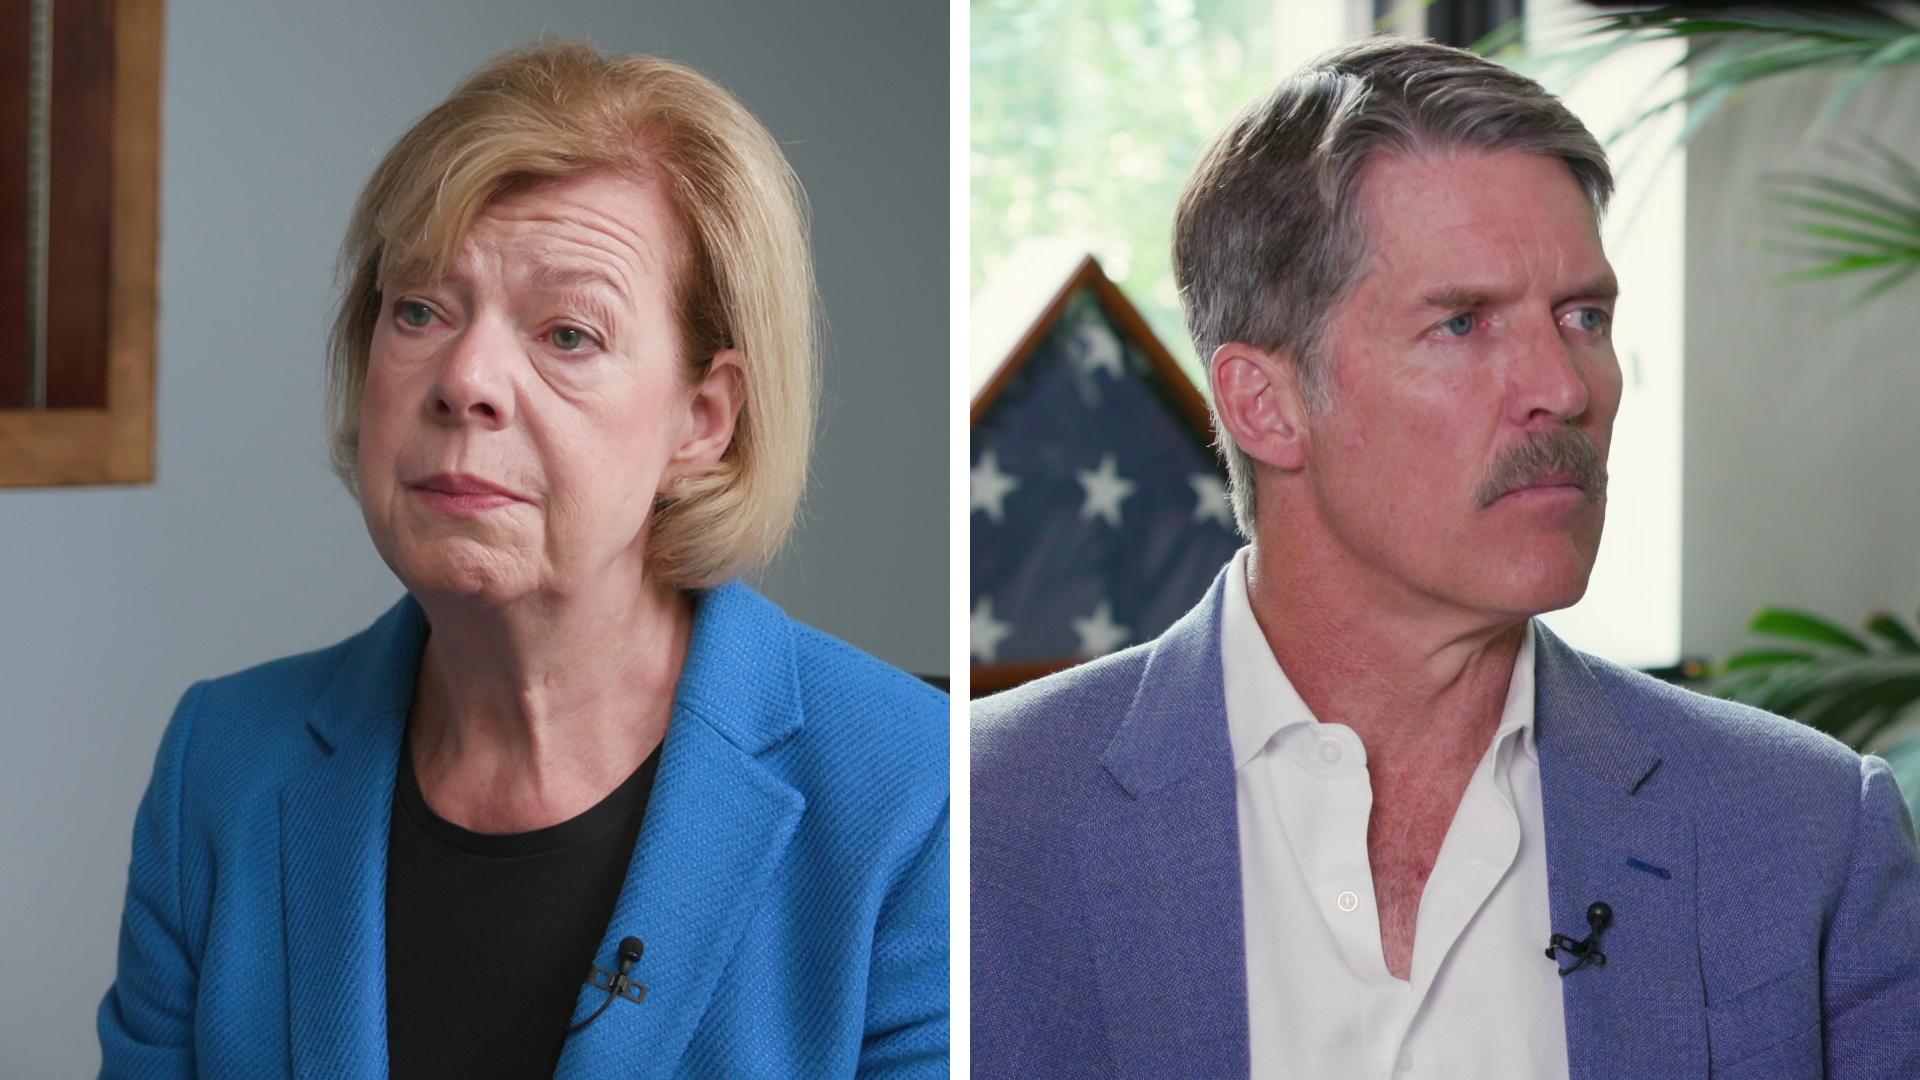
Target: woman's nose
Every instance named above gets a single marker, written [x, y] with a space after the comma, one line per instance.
[474, 382]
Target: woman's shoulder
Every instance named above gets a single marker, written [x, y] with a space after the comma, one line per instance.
[849, 716]
[269, 713]
[832, 677]
[833, 673]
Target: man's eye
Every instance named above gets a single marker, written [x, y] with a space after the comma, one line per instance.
[1590, 320]
[1460, 325]
[569, 338]
[414, 313]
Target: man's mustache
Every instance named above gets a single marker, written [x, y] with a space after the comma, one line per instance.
[1562, 451]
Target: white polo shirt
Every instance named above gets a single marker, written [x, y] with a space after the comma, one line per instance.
[1484, 1001]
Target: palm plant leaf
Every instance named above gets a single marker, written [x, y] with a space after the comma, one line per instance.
[1852, 227]
[1727, 50]
[1763, 658]
[1859, 229]
[1892, 630]
[1803, 626]
[1852, 687]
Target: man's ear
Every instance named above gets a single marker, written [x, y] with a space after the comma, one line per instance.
[1257, 395]
[713, 411]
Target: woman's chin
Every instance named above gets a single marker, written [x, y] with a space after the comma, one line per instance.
[463, 569]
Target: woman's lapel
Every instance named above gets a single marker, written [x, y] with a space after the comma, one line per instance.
[717, 826]
[334, 822]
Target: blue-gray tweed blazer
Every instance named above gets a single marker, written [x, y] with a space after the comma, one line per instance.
[1764, 879]
[790, 881]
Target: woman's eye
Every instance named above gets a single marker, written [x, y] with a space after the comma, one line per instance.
[569, 338]
[1460, 325]
[414, 313]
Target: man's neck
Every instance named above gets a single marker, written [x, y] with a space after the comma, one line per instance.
[1423, 688]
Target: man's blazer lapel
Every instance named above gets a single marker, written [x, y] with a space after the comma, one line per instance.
[717, 825]
[334, 821]
[1609, 840]
[1160, 866]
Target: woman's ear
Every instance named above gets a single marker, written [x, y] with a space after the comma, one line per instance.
[1257, 395]
[713, 410]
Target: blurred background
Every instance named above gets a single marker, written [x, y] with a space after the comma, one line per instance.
[244, 548]
[1763, 508]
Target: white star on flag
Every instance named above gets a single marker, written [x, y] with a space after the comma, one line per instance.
[1099, 634]
[1099, 349]
[985, 633]
[1210, 498]
[990, 487]
[1105, 488]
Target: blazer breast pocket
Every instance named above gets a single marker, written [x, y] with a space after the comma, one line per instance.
[1771, 1029]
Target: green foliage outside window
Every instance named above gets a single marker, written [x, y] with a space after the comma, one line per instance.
[1087, 117]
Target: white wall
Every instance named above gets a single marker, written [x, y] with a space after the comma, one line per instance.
[112, 600]
[1631, 612]
[1802, 464]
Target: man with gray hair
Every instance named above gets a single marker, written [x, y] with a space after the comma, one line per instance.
[1357, 814]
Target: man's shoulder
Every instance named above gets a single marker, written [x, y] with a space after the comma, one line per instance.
[1673, 716]
[1737, 760]
[1077, 708]
[1035, 750]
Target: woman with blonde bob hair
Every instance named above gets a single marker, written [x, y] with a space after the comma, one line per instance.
[572, 381]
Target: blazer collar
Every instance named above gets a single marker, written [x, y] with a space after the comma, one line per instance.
[1617, 834]
[334, 821]
[1161, 872]
[1159, 865]
[375, 681]
[717, 828]
[1176, 723]
[717, 824]
[1587, 732]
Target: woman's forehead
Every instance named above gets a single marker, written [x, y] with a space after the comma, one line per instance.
[599, 229]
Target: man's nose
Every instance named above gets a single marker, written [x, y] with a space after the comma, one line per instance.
[1549, 379]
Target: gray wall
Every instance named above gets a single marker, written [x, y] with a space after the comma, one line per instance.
[1800, 486]
[113, 600]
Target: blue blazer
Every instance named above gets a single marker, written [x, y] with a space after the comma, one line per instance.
[1764, 879]
[790, 880]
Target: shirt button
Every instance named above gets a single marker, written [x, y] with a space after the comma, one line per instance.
[1347, 900]
[1329, 750]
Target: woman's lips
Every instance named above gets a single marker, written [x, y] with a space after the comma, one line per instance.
[461, 494]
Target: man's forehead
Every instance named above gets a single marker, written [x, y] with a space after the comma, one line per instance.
[1474, 226]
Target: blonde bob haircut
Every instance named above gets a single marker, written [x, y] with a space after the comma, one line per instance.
[555, 110]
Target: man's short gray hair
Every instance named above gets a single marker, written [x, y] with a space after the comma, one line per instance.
[1269, 237]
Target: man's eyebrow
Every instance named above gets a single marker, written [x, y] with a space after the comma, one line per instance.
[1471, 298]
[1604, 287]
[1458, 298]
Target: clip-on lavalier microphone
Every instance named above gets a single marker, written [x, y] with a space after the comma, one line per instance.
[617, 984]
[1587, 951]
